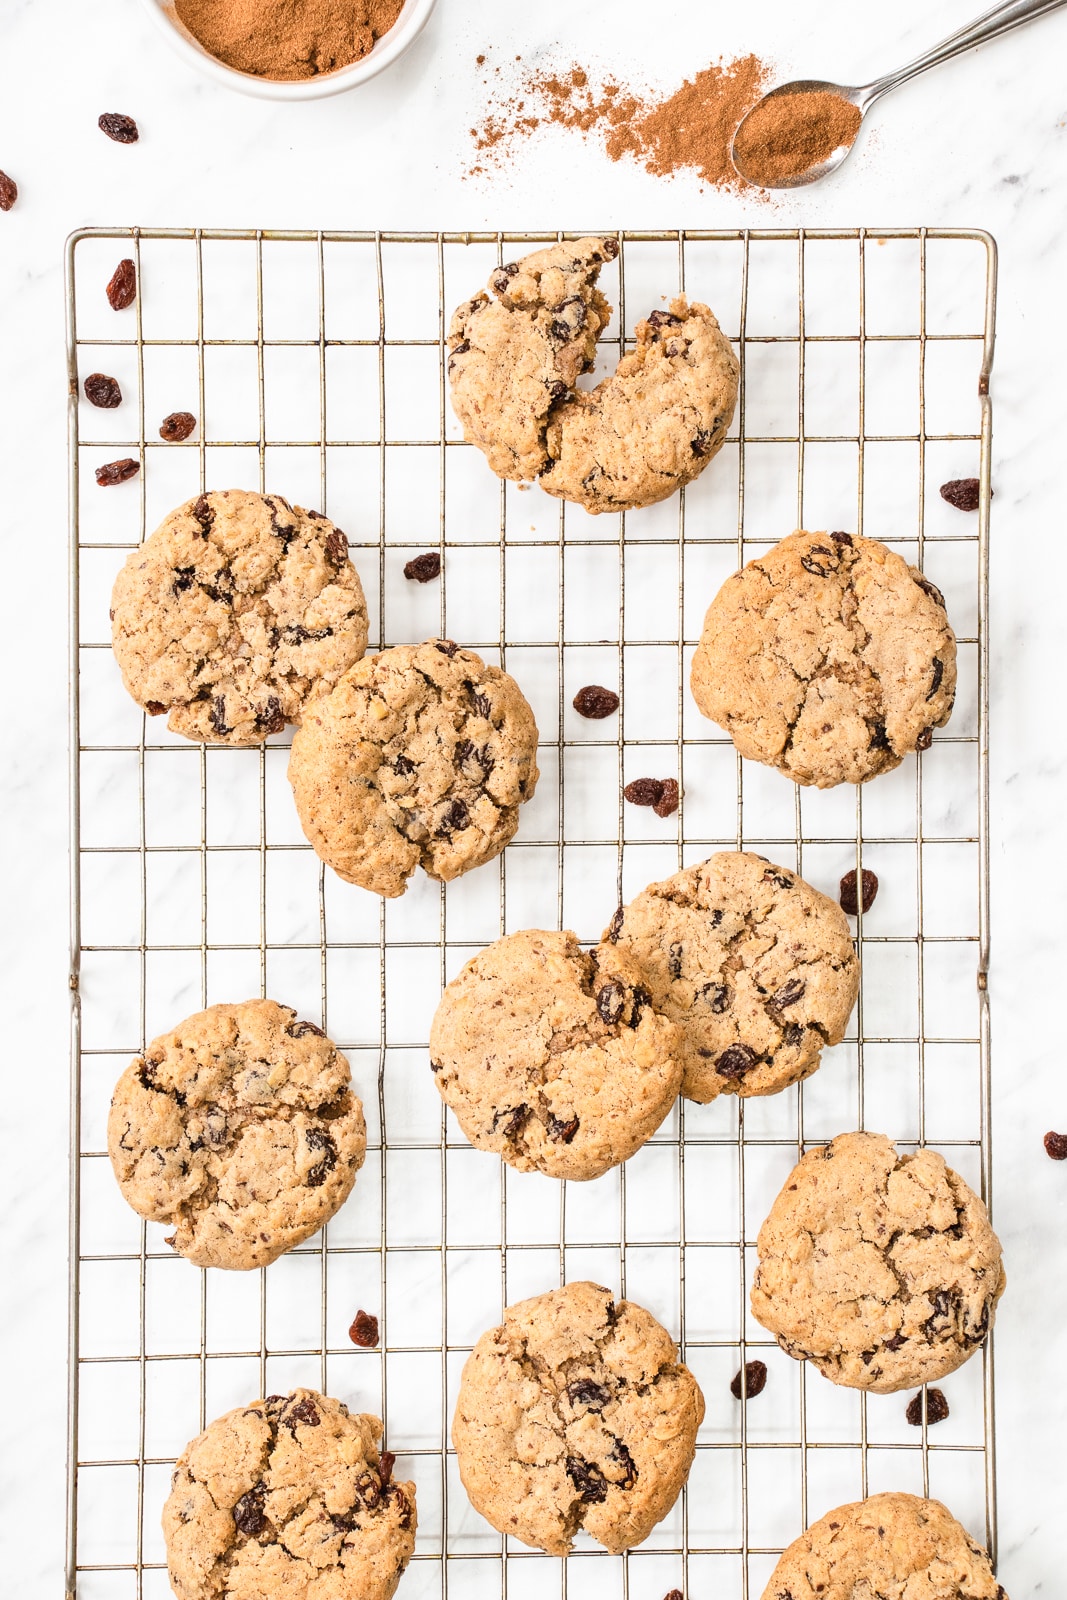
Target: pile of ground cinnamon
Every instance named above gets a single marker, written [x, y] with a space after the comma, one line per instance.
[788, 134]
[288, 38]
[691, 128]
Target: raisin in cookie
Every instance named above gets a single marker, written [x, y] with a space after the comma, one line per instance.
[880, 1269]
[241, 1129]
[288, 1496]
[755, 966]
[654, 424]
[234, 614]
[554, 1057]
[576, 1413]
[828, 658]
[889, 1544]
[513, 356]
[421, 756]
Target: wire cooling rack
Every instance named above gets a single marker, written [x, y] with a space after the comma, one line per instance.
[315, 365]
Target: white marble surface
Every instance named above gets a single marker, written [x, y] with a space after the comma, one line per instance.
[982, 143]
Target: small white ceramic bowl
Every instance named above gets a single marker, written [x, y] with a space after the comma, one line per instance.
[404, 32]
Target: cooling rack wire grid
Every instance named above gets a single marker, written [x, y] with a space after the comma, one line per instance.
[315, 364]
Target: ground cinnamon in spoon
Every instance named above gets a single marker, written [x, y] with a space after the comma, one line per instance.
[288, 38]
[788, 134]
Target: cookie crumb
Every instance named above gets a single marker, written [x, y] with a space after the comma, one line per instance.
[424, 568]
[936, 1408]
[751, 1378]
[595, 702]
[1056, 1146]
[963, 493]
[364, 1330]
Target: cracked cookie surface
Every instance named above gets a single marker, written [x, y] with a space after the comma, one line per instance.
[288, 1496]
[237, 611]
[421, 756]
[554, 1057]
[516, 352]
[239, 1127]
[881, 1269]
[654, 423]
[755, 966]
[576, 1413]
[888, 1547]
[828, 658]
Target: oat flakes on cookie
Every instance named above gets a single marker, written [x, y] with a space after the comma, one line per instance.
[829, 658]
[890, 1544]
[755, 966]
[288, 1496]
[239, 1128]
[515, 360]
[236, 612]
[553, 1056]
[576, 1413]
[881, 1269]
[421, 756]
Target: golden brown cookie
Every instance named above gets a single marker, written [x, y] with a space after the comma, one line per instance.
[236, 612]
[576, 1413]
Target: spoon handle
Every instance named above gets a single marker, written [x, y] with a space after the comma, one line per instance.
[1000, 19]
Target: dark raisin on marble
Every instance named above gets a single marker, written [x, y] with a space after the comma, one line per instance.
[336, 547]
[925, 739]
[847, 896]
[936, 1408]
[751, 1380]
[102, 391]
[1056, 1146]
[963, 493]
[119, 127]
[788, 994]
[364, 1330]
[424, 568]
[9, 192]
[736, 1060]
[248, 1512]
[562, 1132]
[584, 1392]
[644, 791]
[588, 1480]
[595, 702]
[175, 427]
[610, 1001]
[670, 796]
[454, 820]
[673, 1594]
[122, 287]
[113, 472]
[939, 673]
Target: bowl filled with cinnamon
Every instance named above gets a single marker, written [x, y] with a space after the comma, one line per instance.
[290, 49]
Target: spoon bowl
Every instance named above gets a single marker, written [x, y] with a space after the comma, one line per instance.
[860, 97]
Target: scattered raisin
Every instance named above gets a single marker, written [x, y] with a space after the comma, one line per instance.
[751, 1378]
[122, 289]
[364, 1330]
[1056, 1146]
[673, 1594]
[9, 192]
[424, 568]
[667, 804]
[963, 493]
[102, 391]
[644, 791]
[117, 472]
[118, 127]
[847, 892]
[936, 1408]
[179, 425]
[595, 702]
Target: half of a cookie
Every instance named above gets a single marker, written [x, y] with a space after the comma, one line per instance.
[240, 1128]
[881, 1269]
[576, 1413]
[288, 1496]
[421, 756]
[888, 1544]
[829, 658]
[554, 1057]
[755, 966]
[237, 611]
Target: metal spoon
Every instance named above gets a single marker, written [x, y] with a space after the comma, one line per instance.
[1001, 19]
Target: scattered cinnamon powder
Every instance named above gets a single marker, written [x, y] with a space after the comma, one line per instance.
[691, 128]
[288, 38]
[788, 134]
